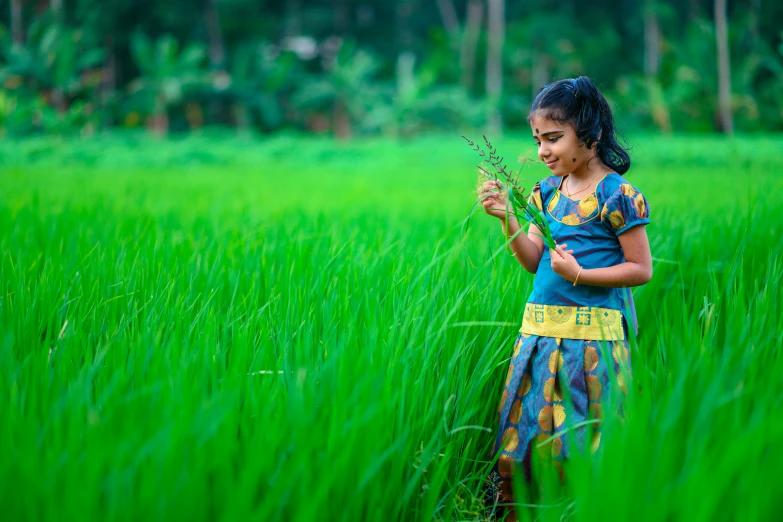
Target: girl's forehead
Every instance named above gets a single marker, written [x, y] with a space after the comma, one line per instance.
[541, 125]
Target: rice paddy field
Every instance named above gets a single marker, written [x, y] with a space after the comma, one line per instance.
[297, 329]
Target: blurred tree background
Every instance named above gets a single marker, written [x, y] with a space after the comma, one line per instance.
[371, 67]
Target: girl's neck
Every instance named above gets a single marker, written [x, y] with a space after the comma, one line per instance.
[587, 174]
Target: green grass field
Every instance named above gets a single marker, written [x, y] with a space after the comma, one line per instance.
[291, 329]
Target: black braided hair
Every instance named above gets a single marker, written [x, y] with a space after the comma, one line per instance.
[579, 103]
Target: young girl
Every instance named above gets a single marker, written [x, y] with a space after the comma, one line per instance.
[581, 296]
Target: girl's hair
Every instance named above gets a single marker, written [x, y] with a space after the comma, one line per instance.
[580, 104]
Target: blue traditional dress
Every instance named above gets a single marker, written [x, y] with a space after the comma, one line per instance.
[566, 331]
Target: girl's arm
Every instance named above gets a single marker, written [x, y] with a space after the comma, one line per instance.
[527, 248]
[636, 271]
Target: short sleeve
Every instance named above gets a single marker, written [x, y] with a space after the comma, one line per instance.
[535, 197]
[625, 208]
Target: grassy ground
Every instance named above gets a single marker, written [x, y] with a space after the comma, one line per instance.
[297, 330]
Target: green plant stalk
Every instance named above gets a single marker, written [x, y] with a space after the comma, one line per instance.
[515, 194]
[533, 216]
[521, 210]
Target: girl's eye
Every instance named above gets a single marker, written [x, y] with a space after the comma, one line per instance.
[553, 140]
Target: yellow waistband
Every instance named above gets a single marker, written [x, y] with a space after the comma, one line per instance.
[573, 322]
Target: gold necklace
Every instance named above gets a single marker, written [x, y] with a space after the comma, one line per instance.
[569, 194]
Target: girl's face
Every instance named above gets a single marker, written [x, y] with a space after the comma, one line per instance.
[558, 146]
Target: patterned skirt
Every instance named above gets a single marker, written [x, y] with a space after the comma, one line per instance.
[532, 407]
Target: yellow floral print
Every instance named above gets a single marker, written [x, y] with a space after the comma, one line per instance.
[593, 387]
[549, 389]
[524, 386]
[641, 206]
[588, 205]
[516, 411]
[559, 415]
[553, 202]
[545, 418]
[502, 400]
[511, 436]
[617, 220]
[556, 361]
[591, 359]
[628, 190]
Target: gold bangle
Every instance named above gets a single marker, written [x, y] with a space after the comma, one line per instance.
[577, 275]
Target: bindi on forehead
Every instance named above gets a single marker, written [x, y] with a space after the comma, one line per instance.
[544, 127]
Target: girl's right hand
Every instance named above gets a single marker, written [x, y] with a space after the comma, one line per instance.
[493, 199]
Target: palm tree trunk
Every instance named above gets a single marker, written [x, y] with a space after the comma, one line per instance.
[450, 21]
[159, 122]
[217, 48]
[342, 120]
[494, 78]
[17, 27]
[540, 73]
[659, 109]
[404, 71]
[726, 119]
[58, 99]
[406, 60]
[217, 51]
[341, 117]
[57, 9]
[242, 118]
[405, 10]
[467, 53]
[652, 40]
[109, 84]
[58, 96]
[755, 12]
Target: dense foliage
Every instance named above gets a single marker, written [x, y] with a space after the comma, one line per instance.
[377, 67]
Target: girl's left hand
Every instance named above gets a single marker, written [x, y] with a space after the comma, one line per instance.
[563, 263]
